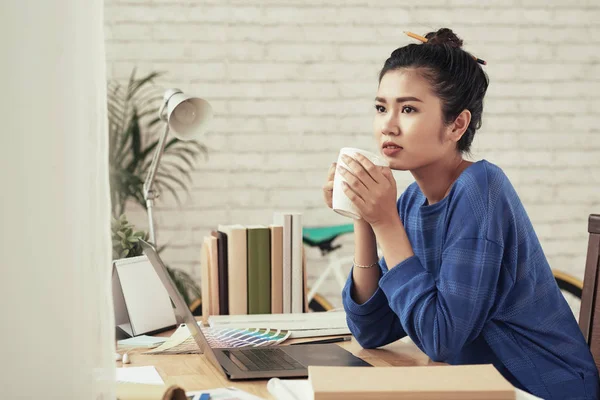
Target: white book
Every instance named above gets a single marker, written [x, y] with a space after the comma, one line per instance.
[297, 271]
[300, 324]
[318, 319]
[285, 220]
[304, 333]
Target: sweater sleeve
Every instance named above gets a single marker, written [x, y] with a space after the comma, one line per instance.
[372, 323]
[443, 315]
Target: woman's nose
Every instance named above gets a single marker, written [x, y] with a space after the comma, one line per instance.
[390, 126]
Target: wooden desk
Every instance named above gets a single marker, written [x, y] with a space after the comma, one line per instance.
[195, 372]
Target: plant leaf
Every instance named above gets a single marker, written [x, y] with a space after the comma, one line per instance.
[136, 84]
[162, 185]
[170, 178]
[136, 141]
[134, 129]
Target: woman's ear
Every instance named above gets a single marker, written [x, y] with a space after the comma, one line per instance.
[460, 125]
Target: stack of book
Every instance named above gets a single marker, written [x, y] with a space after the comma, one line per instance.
[254, 269]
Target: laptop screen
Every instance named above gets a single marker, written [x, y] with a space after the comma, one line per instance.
[181, 307]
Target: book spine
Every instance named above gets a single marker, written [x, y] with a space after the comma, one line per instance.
[259, 271]
[297, 278]
[238, 271]
[287, 264]
[276, 269]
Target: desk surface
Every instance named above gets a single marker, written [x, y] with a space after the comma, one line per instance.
[195, 372]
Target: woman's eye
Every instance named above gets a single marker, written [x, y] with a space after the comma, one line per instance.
[407, 109]
[379, 108]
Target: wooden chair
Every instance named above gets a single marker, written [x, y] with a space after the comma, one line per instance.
[589, 315]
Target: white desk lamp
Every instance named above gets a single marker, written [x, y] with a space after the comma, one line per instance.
[188, 118]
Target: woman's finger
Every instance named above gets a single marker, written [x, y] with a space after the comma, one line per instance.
[355, 183]
[373, 170]
[331, 172]
[360, 171]
[328, 193]
[387, 172]
[354, 197]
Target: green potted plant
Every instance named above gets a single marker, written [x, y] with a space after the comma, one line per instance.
[126, 243]
[133, 137]
[133, 126]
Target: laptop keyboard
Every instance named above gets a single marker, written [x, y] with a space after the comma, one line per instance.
[263, 359]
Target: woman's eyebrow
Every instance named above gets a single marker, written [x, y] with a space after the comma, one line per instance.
[399, 99]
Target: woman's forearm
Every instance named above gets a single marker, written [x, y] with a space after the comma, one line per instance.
[366, 280]
[394, 243]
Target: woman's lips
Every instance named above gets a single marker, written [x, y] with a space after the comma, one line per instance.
[391, 149]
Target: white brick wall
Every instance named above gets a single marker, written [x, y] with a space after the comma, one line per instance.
[292, 81]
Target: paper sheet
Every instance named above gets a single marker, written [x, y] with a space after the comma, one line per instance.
[290, 389]
[229, 393]
[180, 342]
[148, 375]
[141, 341]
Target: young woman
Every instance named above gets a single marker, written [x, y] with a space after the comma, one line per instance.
[463, 273]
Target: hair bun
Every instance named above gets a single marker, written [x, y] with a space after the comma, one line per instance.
[444, 36]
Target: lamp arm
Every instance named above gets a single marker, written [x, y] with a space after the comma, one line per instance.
[149, 193]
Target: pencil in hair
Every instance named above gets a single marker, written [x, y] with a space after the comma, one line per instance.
[415, 36]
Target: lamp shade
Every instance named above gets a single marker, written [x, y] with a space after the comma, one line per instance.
[188, 117]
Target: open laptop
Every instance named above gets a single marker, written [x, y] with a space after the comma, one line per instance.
[253, 362]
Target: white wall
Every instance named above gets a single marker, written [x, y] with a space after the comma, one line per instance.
[293, 81]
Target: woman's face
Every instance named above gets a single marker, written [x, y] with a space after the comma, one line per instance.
[408, 123]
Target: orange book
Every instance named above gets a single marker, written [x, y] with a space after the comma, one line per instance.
[276, 269]
[205, 279]
[214, 275]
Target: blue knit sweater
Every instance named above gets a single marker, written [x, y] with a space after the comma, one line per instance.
[478, 290]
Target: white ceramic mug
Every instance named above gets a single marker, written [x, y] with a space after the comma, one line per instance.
[341, 204]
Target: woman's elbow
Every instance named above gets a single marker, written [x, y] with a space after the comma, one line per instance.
[372, 339]
[436, 356]
[367, 341]
[440, 353]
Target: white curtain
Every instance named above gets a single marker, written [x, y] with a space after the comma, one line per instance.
[57, 332]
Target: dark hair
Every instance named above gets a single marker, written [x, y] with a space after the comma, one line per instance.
[455, 76]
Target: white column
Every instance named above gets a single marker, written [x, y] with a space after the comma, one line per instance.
[57, 332]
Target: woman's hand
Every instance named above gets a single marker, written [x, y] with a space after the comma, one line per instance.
[328, 187]
[371, 188]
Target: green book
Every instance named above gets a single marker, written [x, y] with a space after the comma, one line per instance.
[259, 269]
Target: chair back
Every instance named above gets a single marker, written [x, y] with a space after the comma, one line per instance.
[589, 314]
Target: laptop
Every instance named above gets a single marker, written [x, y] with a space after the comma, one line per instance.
[253, 362]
